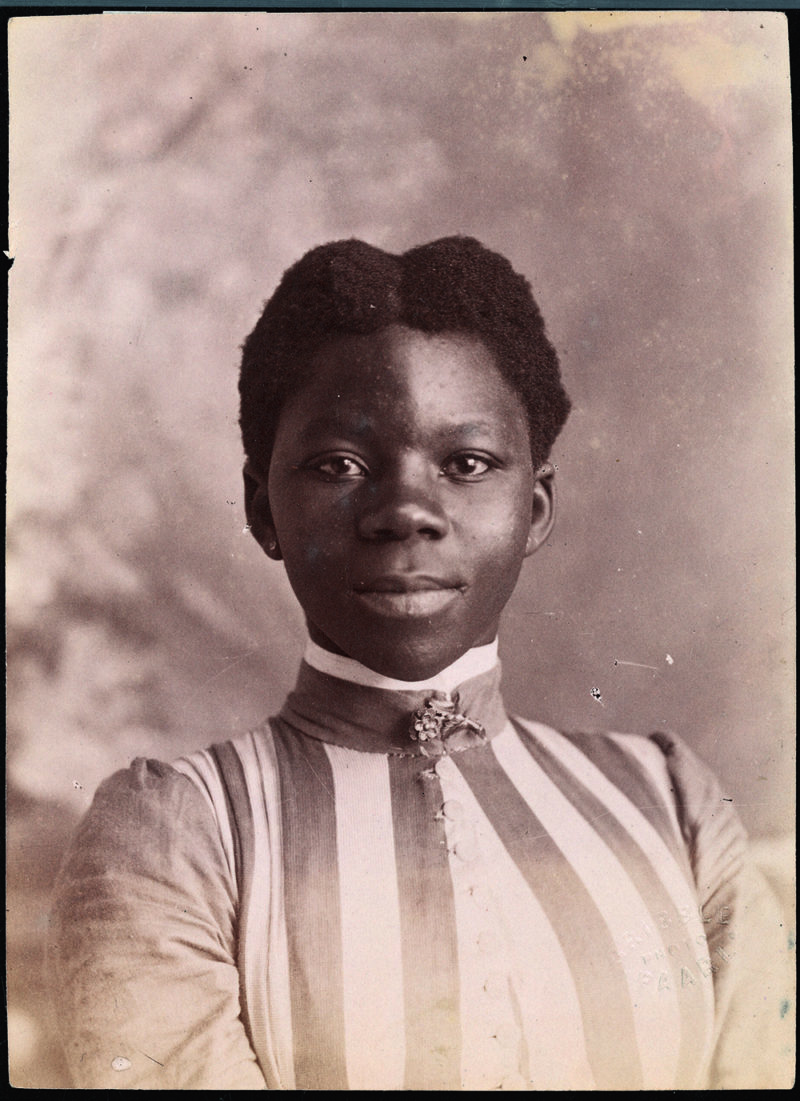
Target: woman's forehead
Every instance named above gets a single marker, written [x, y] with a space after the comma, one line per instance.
[397, 370]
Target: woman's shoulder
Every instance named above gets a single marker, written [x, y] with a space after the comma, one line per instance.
[663, 778]
[663, 757]
[145, 794]
[142, 938]
[152, 800]
[230, 767]
[145, 819]
[619, 756]
[143, 777]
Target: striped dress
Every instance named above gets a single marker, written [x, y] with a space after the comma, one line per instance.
[327, 903]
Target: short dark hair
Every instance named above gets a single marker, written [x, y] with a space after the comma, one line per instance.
[453, 284]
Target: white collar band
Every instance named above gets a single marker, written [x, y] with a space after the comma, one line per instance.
[480, 659]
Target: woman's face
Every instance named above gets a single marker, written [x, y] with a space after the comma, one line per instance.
[403, 498]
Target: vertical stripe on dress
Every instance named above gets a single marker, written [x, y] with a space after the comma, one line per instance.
[581, 928]
[202, 769]
[230, 776]
[244, 800]
[655, 1007]
[539, 971]
[427, 921]
[673, 873]
[312, 896]
[625, 772]
[235, 794]
[372, 970]
[673, 911]
[264, 945]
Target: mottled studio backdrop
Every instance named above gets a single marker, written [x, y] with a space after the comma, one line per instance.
[166, 168]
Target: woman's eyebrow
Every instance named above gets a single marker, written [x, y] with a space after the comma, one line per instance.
[472, 427]
[352, 423]
[358, 424]
[471, 431]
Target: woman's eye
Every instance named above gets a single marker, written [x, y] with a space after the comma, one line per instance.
[467, 466]
[339, 466]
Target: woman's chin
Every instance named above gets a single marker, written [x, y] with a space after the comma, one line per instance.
[412, 650]
[410, 663]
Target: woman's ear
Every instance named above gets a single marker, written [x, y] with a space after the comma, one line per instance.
[543, 513]
[258, 512]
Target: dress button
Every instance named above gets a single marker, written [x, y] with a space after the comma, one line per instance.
[496, 985]
[453, 810]
[466, 849]
[480, 896]
[487, 941]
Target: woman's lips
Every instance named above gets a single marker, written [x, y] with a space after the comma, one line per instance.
[407, 596]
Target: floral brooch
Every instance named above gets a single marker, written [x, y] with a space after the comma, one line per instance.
[440, 728]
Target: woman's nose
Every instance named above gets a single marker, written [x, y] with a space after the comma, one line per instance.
[402, 507]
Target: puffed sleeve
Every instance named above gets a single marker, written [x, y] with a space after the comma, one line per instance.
[142, 943]
[749, 941]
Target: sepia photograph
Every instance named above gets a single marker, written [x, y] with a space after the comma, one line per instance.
[400, 600]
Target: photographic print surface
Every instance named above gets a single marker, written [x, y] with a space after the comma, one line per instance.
[166, 168]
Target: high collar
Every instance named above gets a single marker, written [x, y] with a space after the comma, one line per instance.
[348, 705]
[480, 659]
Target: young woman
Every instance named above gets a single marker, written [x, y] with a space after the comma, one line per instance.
[393, 884]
